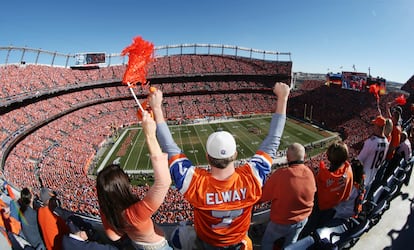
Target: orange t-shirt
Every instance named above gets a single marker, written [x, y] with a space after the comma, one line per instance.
[291, 191]
[395, 140]
[141, 226]
[333, 187]
[138, 222]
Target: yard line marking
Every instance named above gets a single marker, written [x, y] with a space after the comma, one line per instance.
[132, 150]
[109, 154]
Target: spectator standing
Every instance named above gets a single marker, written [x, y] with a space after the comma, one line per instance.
[388, 128]
[291, 190]
[395, 115]
[353, 206]
[373, 153]
[28, 220]
[334, 182]
[223, 197]
[52, 226]
[122, 212]
[404, 150]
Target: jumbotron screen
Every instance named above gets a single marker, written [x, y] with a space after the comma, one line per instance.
[89, 58]
[358, 81]
[354, 80]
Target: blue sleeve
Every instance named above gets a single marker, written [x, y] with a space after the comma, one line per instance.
[271, 143]
[181, 168]
[182, 171]
[166, 140]
[261, 165]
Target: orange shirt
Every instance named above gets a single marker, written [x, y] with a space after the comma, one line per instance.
[395, 140]
[222, 209]
[333, 187]
[7, 222]
[141, 227]
[52, 227]
[10, 192]
[292, 191]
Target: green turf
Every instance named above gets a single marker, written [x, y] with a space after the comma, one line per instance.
[132, 152]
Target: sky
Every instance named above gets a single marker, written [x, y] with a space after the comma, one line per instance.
[375, 36]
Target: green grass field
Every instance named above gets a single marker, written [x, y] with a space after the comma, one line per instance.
[131, 152]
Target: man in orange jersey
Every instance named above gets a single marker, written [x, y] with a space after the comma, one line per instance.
[223, 198]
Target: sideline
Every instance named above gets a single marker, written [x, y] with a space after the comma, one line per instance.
[109, 154]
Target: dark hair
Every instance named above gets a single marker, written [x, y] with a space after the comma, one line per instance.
[25, 199]
[114, 195]
[221, 163]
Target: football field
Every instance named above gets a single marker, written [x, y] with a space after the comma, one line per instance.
[131, 153]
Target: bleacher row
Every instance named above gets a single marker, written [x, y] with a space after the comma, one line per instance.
[343, 234]
[22, 79]
[214, 64]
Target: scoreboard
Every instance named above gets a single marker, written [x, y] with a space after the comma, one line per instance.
[354, 80]
[358, 81]
[89, 59]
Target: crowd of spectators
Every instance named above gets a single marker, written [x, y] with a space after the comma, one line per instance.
[57, 154]
[215, 64]
[26, 79]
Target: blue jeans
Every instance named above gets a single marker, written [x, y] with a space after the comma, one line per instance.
[276, 231]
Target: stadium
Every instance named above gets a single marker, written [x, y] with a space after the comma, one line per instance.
[64, 121]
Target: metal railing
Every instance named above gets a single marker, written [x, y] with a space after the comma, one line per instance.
[25, 55]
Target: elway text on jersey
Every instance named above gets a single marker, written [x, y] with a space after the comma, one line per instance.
[226, 196]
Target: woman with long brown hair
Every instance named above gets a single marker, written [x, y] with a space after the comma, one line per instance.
[122, 212]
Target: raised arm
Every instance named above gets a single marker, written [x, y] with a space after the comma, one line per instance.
[281, 90]
[271, 143]
[155, 100]
[388, 106]
[162, 179]
[163, 132]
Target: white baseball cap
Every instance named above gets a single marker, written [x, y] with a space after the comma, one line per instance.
[221, 145]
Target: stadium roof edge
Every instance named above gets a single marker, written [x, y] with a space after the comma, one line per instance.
[185, 45]
[23, 55]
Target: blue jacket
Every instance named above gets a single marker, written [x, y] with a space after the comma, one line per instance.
[69, 243]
